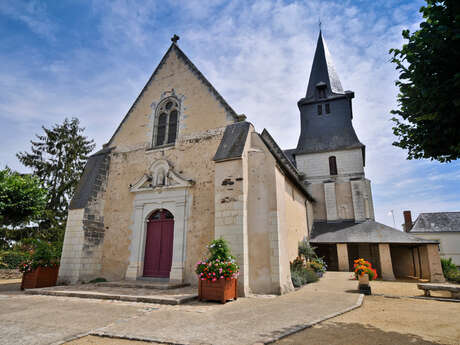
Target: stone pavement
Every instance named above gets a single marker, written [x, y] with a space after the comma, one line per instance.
[26, 319]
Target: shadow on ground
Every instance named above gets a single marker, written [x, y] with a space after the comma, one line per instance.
[337, 333]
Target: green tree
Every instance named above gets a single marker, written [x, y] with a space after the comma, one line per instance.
[58, 158]
[22, 201]
[428, 123]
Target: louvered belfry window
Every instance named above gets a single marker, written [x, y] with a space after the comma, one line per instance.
[166, 122]
[332, 165]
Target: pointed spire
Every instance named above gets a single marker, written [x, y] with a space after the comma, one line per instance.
[322, 72]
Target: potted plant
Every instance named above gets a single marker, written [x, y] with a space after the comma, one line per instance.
[318, 265]
[364, 273]
[217, 274]
[42, 267]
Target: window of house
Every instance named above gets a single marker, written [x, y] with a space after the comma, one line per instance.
[166, 122]
[328, 108]
[332, 165]
[320, 109]
[322, 93]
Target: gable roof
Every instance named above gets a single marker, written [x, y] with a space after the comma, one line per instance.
[181, 55]
[437, 222]
[367, 232]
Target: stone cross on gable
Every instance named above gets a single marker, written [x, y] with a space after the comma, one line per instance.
[175, 38]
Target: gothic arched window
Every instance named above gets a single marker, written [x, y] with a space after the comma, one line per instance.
[167, 116]
[332, 165]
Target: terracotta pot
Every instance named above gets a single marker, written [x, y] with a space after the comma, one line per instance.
[363, 279]
[221, 290]
[40, 277]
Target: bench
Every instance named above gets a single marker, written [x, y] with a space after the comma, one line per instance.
[454, 289]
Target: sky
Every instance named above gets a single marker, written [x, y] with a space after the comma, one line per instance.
[91, 59]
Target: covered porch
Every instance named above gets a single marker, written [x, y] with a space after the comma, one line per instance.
[393, 253]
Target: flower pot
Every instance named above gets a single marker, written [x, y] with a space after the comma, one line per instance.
[40, 277]
[221, 290]
[363, 279]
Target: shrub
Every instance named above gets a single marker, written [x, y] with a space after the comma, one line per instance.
[98, 280]
[42, 254]
[318, 265]
[12, 259]
[450, 270]
[306, 251]
[303, 275]
[220, 264]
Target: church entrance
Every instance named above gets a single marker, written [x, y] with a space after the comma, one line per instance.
[159, 244]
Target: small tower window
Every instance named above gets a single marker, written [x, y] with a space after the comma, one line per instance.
[320, 109]
[166, 122]
[328, 108]
[332, 165]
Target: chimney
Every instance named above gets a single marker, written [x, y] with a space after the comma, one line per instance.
[407, 221]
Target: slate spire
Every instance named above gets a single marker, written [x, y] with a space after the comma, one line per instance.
[323, 74]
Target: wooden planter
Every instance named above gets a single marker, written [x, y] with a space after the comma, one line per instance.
[40, 277]
[221, 290]
[364, 279]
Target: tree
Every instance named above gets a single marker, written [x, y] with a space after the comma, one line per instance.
[429, 85]
[58, 158]
[22, 201]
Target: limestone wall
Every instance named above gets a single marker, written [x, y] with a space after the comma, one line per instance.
[449, 244]
[316, 165]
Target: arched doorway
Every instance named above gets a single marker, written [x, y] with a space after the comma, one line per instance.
[159, 244]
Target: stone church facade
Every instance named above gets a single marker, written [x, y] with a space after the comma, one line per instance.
[183, 168]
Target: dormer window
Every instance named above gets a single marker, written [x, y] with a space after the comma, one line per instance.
[166, 119]
[321, 88]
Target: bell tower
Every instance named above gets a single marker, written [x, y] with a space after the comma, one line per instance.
[329, 153]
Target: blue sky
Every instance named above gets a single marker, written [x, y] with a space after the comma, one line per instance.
[90, 59]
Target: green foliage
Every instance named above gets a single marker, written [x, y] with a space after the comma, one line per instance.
[450, 270]
[42, 253]
[429, 85]
[98, 280]
[302, 275]
[318, 265]
[22, 199]
[306, 251]
[12, 259]
[220, 264]
[57, 159]
[219, 250]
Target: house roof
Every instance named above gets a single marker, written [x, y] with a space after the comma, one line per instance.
[181, 55]
[366, 232]
[437, 222]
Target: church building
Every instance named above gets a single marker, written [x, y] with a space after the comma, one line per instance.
[183, 168]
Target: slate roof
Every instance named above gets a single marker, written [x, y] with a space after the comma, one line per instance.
[88, 180]
[333, 130]
[366, 232]
[181, 55]
[290, 155]
[232, 144]
[323, 71]
[284, 163]
[437, 222]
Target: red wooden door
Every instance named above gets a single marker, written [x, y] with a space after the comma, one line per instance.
[159, 245]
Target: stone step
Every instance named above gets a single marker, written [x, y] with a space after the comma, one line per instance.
[156, 285]
[157, 299]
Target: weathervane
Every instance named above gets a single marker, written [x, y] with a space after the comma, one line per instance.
[319, 23]
[175, 38]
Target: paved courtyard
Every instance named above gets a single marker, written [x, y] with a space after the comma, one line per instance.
[386, 318]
